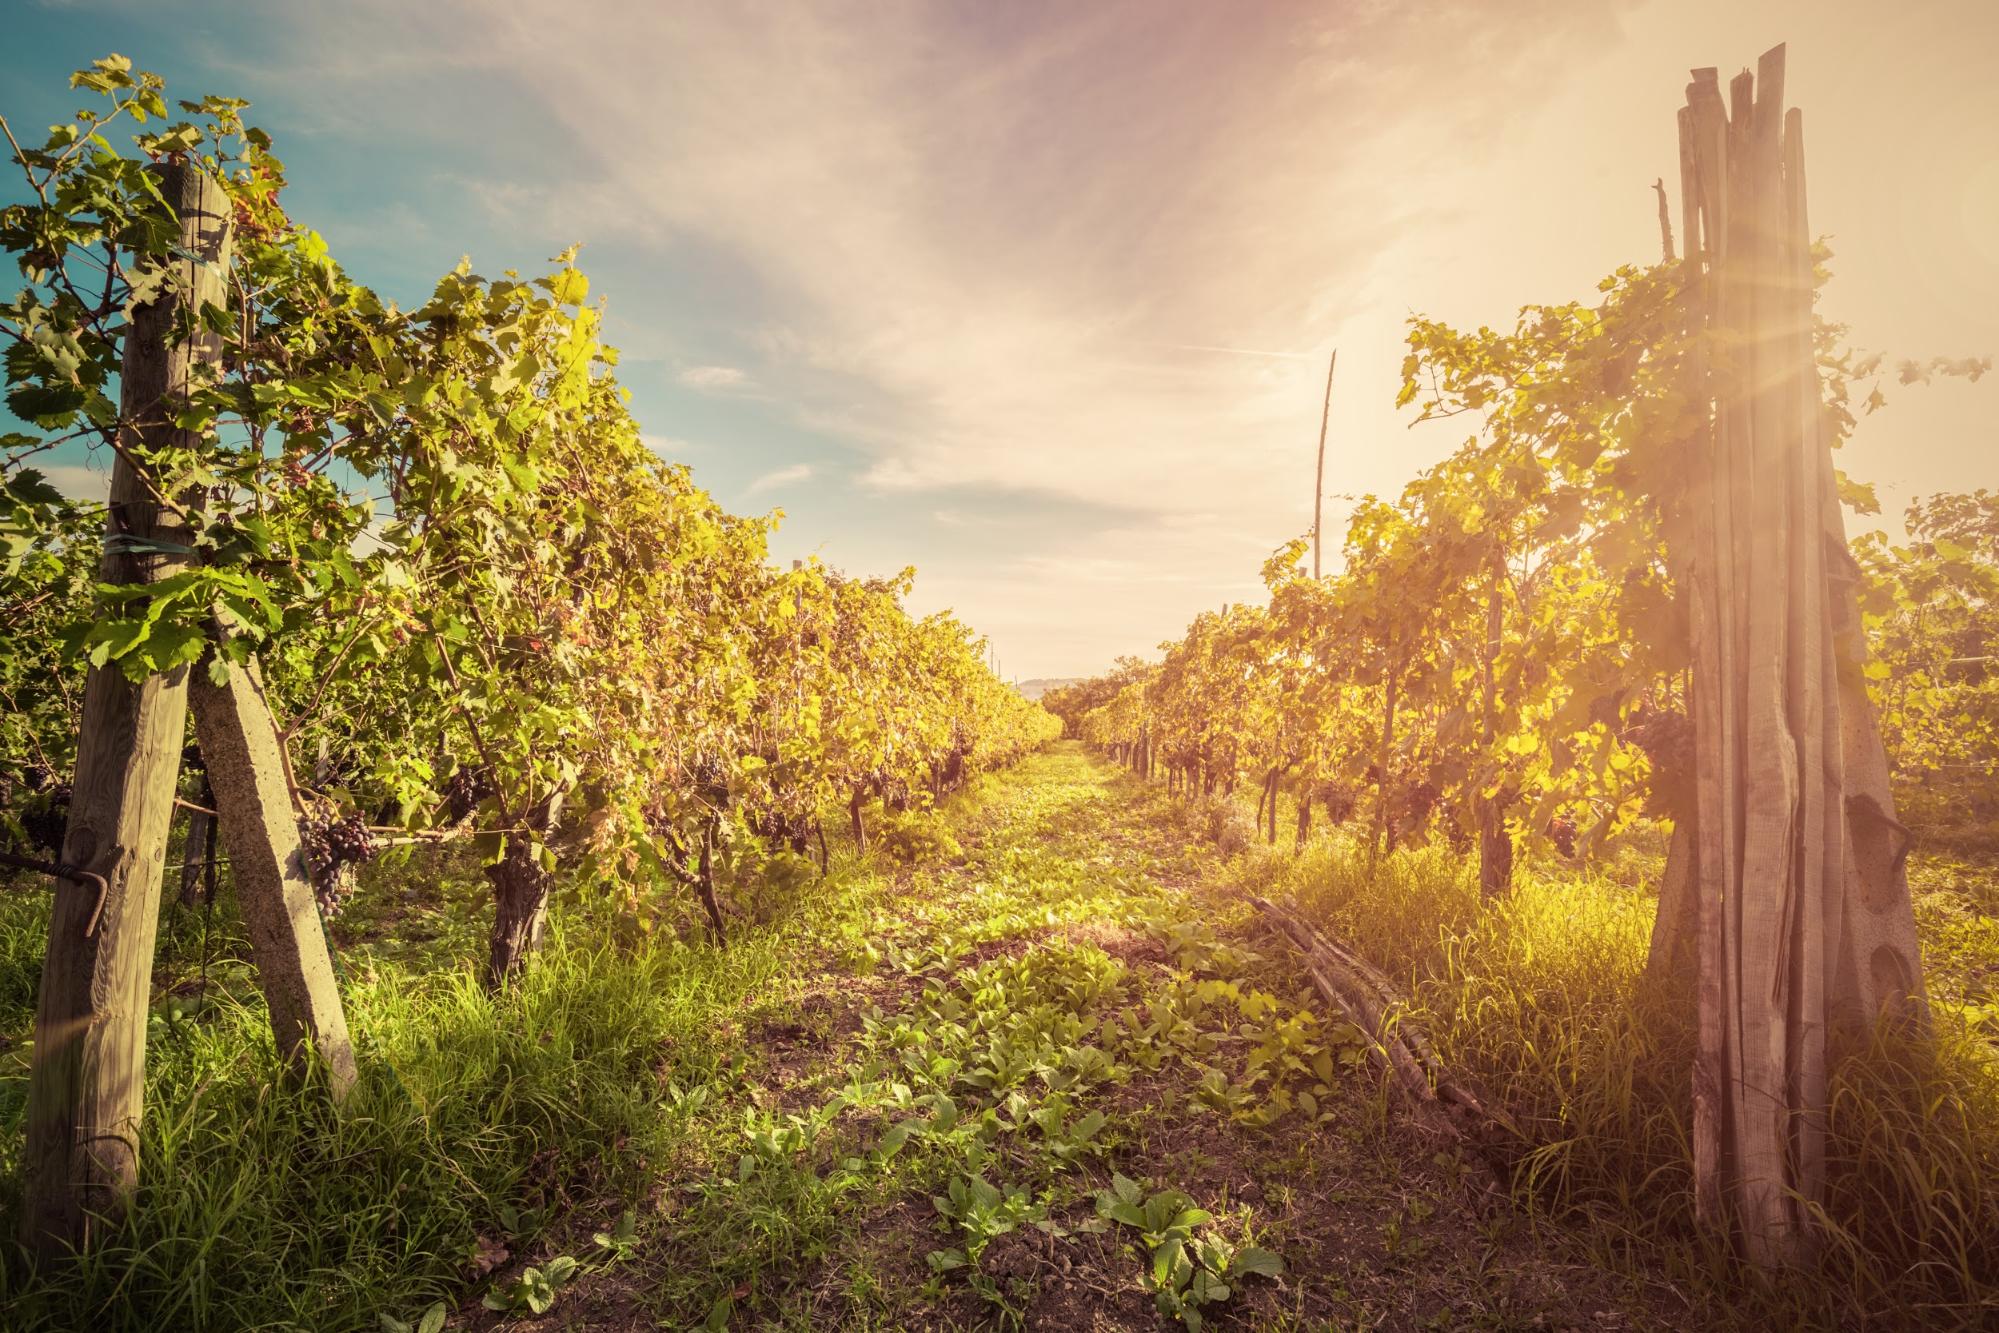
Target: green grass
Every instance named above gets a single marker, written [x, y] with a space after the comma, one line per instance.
[474, 1116]
[1052, 981]
[627, 1064]
[1542, 998]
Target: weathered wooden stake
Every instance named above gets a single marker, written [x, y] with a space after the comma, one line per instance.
[253, 800]
[86, 1083]
[1665, 223]
[1383, 825]
[1495, 839]
[1801, 913]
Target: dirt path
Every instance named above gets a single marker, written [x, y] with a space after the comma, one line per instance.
[1066, 1081]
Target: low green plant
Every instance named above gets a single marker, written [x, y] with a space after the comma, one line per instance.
[535, 1289]
[430, 1321]
[913, 836]
[1187, 1267]
[982, 1211]
[620, 1242]
[1067, 1141]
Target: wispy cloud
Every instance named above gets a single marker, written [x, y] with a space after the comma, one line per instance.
[1095, 254]
[951, 517]
[1083, 255]
[715, 379]
[784, 476]
[562, 212]
[975, 293]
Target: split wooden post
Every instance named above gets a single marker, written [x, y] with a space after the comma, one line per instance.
[87, 1081]
[253, 802]
[1802, 920]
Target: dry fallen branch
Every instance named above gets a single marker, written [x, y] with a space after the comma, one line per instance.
[1441, 1101]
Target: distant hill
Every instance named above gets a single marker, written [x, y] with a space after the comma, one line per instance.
[1034, 689]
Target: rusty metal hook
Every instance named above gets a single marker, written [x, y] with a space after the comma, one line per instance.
[75, 874]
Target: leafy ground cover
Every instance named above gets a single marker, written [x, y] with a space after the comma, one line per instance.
[1050, 1072]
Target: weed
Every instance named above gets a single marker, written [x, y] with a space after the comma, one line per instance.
[1187, 1267]
[980, 1211]
[535, 1289]
[430, 1321]
[916, 836]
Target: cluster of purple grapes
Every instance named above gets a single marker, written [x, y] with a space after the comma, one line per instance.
[1562, 832]
[895, 793]
[778, 826]
[463, 791]
[1339, 798]
[349, 840]
[40, 801]
[331, 845]
[1667, 737]
[711, 779]
[1419, 800]
[46, 818]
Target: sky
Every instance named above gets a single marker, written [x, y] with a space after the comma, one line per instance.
[1038, 296]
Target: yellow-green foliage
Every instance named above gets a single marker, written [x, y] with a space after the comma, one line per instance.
[917, 835]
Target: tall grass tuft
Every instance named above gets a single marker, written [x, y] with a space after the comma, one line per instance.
[261, 1208]
[1542, 998]
[1912, 1217]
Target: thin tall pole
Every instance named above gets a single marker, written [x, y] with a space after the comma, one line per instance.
[1319, 481]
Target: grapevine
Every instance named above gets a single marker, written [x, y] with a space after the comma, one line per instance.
[551, 640]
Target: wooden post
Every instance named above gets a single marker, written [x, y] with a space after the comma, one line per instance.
[1495, 840]
[87, 1081]
[1711, 617]
[1665, 223]
[253, 799]
[1319, 481]
[1382, 838]
[1802, 915]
